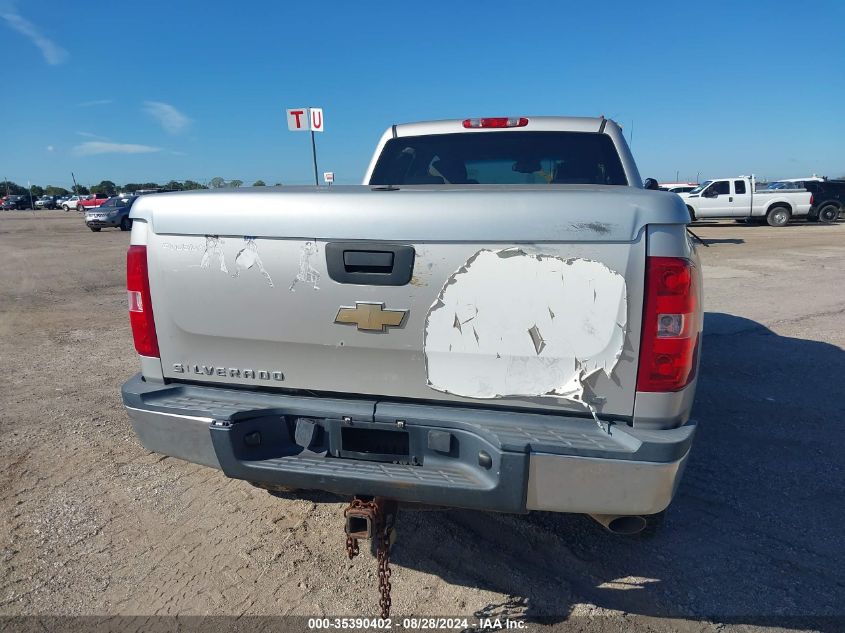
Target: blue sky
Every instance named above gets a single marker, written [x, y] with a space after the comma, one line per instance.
[174, 90]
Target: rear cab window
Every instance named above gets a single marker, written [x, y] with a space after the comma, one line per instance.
[511, 158]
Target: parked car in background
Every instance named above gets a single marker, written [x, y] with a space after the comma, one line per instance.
[46, 202]
[736, 198]
[91, 201]
[113, 213]
[828, 200]
[792, 184]
[72, 203]
[16, 202]
[674, 187]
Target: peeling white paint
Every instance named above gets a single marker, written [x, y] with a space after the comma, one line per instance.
[307, 273]
[509, 323]
[214, 250]
[248, 257]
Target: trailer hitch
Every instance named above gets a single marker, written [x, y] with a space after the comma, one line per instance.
[373, 519]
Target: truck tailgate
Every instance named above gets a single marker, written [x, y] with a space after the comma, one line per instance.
[513, 296]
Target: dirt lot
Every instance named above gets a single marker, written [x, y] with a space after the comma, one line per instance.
[91, 523]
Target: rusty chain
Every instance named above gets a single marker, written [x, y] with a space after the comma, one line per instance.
[351, 547]
[383, 553]
[384, 523]
[352, 543]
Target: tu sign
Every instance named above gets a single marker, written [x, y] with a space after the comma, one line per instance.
[305, 119]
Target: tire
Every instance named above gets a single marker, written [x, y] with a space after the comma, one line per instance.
[778, 216]
[828, 213]
[125, 224]
[65, 207]
[96, 229]
[691, 214]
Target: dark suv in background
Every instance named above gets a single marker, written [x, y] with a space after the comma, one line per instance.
[114, 213]
[46, 202]
[828, 199]
[16, 202]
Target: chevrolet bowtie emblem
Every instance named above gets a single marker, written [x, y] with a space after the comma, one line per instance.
[371, 317]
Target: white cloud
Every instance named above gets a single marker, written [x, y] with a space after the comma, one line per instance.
[95, 102]
[92, 148]
[50, 148]
[53, 53]
[95, 136]
[168, 117]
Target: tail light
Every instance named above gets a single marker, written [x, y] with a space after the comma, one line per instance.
[812, 200]
[140, 304]
[494, 122]
[670, 325]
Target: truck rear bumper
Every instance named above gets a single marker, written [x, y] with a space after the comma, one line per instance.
[441, 455]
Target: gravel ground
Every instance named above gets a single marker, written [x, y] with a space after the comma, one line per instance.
[92, 524]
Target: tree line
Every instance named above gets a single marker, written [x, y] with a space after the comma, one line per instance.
[109, 188]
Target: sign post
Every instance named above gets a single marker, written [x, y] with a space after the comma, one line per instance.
[328, 177]
[316, 118]
[305, 120]
[314, 156]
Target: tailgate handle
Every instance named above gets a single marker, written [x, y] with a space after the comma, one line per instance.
[369, 263]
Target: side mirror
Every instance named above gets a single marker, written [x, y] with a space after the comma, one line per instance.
[711, 193]
[651, 183]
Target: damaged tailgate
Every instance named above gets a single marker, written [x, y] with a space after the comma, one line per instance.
[497, 306]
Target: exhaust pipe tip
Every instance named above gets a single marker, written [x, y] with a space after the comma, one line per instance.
[624, 524]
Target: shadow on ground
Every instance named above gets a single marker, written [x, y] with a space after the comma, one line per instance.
[752, 537]
[793, 224]
[707, 241]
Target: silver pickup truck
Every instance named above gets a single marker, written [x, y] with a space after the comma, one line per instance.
[501, 318]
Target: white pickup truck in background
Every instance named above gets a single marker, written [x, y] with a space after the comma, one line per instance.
[736, 198]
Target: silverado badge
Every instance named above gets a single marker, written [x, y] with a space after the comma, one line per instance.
[371, 317]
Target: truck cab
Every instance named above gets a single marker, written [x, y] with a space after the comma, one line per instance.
[722, 198]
